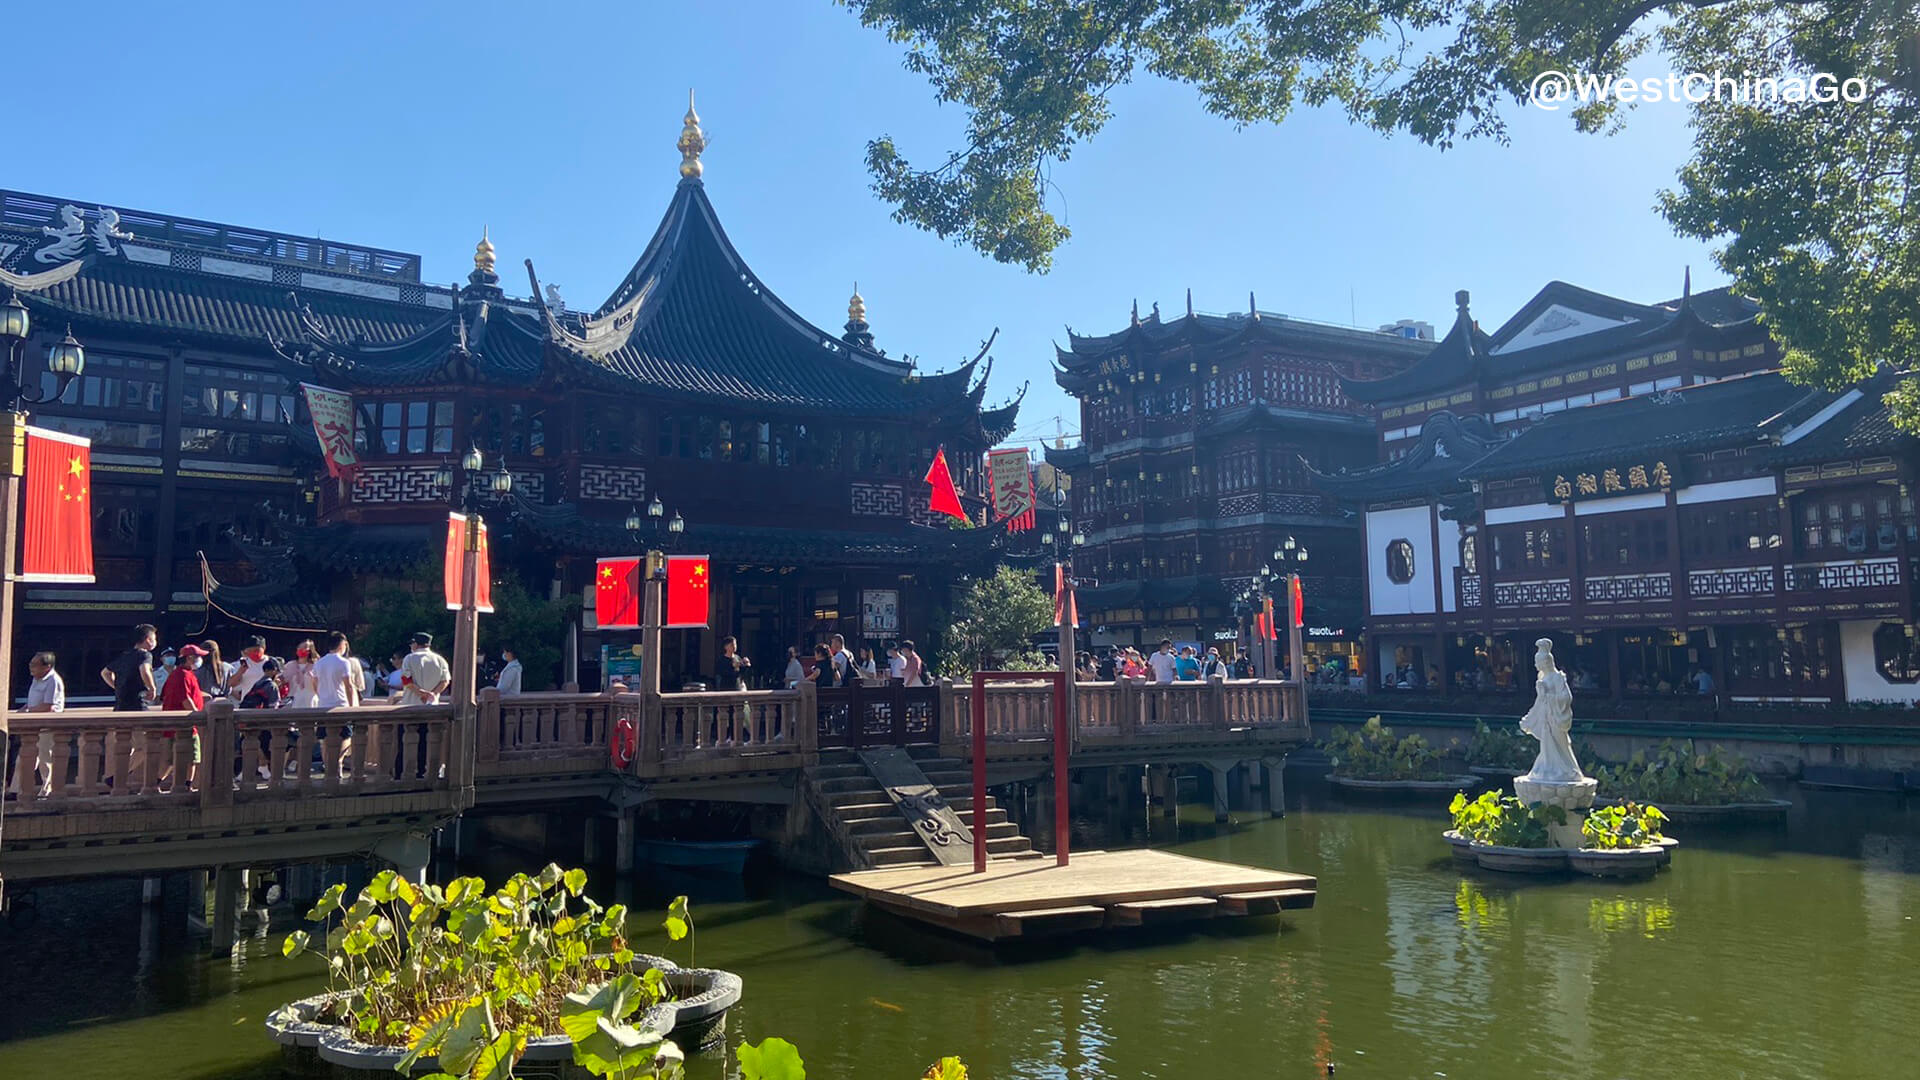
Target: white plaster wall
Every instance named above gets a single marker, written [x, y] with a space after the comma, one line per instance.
[1384, 595]
[1449, 562]
[1863, 680]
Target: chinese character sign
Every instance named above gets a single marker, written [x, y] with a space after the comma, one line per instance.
[332, 413]
[1610, 481]
[1012, 477]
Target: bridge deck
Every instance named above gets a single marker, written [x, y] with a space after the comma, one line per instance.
[1018, 897]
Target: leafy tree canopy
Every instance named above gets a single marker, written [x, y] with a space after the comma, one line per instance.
[996, 617]
[1818, 203]
[534, 628]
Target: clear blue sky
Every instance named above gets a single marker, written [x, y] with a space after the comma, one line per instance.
[410, 125]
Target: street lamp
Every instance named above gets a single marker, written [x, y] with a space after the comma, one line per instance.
[65, 358]
[646, 530]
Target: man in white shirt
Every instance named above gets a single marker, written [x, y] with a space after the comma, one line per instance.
[896, 664]
[509, 681]
[426, 673]
[46, 693]
[249, 669]
[842, 660]
[1162, 662]
[334, 685]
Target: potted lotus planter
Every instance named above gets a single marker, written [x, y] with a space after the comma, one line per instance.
[1506, 835]
[1622, 841]
[458, 980]
[1462, 847]
[1693, 787]
[1371, 761]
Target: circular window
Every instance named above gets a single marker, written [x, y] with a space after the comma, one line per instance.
[1399, 562]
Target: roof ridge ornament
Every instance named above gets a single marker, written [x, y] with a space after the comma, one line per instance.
[692, 142]
[483, 254]
[858, 332]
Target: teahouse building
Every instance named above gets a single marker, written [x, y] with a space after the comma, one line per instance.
[1640, 483]
[1198, 434]
[793, 454]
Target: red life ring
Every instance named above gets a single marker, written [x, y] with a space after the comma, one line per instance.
[621, 744]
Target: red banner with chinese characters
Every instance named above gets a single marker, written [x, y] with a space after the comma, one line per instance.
[688, 594]
[332, 413]
[616, 593]
[1011, 474]
[56, 526]
[456, 554]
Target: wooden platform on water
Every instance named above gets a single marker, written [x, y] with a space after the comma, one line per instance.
[1097, 890]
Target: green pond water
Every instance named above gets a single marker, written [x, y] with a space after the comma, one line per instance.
[1790, 951]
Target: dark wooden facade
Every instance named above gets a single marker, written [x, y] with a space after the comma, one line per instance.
[1717, 518]
[1200, 435]
[795, 455]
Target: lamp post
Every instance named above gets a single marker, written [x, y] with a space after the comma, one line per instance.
[66, 360]
[466, 627]
[1289, 556]
[647, 530]
[1063, 539]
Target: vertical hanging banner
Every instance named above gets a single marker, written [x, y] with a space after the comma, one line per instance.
[943, 499]
[689, 597]
[1065, 611]
[483, 573]
[56, 532]
[1011, 475]
[1299, 602]
[616, 593]
[332, 413]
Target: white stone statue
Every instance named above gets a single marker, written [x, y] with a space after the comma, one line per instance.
[1550, 721]
[1556, 779]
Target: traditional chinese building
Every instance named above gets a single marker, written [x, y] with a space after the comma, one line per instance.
[1639, 483]
[793, 454]
[1198, 437]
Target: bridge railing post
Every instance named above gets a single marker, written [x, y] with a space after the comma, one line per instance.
[1129, 697]
[489, 734]
[951, 743]
[806, 721]
[216, 782]
[1215, 700]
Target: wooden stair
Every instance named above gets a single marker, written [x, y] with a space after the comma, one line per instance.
[871, 829]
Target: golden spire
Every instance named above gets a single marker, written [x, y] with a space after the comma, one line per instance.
[483, 252]
[692, 141]
[856, 306]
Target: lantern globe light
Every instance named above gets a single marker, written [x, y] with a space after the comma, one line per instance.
[656, 507]
[633, 520]
[66, 358]
[472, 461]
[502, 480]
[677, 524]
[14, 319]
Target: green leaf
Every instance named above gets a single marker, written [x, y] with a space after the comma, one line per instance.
[328, 903]
[495, 1061]
[295, 944]
[773, 1059]
[679, 919]
[575, 880]
[550, 876]
[947, 1068]
[471, 1033]
[380, 889]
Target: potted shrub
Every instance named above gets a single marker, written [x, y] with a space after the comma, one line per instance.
[1371, 758]
[1621, 840]
[426, 979]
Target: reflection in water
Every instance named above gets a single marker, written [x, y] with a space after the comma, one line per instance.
[1406, 969]
[1649, 918]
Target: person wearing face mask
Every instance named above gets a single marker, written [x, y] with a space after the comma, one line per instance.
[249, 669]
[509, 681]
[168, 662]
[183, 694]
[298, 674]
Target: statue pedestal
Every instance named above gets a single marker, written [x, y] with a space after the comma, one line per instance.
[1573, 796]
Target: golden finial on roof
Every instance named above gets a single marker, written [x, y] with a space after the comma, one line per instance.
[692, 142]
[483, 252]
[856, 306]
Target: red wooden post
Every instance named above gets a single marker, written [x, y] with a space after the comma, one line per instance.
[1062, 752]
[979, 816]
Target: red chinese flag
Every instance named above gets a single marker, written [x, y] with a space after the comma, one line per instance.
[455, 568]
[1299, 602]
[944, 499]
[688, 595]
[56, 542]
[1260, 626]
[616, 594]
[1065, 612]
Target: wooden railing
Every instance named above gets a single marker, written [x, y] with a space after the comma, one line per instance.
[99, 759]
[877, 714]
[531, 732]
[754, 726]
[1127, 711]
